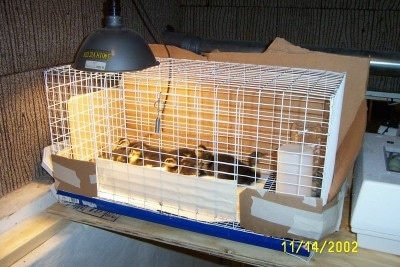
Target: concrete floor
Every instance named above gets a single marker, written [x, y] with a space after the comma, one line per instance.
[83, 245]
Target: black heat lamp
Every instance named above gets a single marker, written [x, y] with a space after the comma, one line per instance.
[114, 48]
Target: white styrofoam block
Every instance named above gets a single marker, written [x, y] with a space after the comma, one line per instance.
[295, 167]
[376, 192]
[196, 198]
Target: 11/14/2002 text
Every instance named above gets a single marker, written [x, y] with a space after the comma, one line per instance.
[320, 247]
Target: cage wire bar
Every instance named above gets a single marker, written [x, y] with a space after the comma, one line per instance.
[185, 137]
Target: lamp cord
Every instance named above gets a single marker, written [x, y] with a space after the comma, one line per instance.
[138, 3]
[146, 21]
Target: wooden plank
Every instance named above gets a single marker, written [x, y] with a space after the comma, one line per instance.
[22, 239]
[24, 203]
[232, 250]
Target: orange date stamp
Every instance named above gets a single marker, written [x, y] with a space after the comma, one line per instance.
[328, 246]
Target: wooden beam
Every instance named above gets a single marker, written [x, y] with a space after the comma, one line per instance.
[24, 203]
[28, 235]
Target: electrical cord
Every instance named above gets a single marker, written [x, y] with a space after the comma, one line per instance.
[146, 21]
[140, 9]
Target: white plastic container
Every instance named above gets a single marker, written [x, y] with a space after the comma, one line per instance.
[376, 195]
[294, 172]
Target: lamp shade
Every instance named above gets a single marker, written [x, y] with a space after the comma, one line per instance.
[114, 49]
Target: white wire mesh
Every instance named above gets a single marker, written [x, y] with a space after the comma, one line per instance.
[196, 123]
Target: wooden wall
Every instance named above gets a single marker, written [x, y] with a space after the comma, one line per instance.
[35, 35]
[368, 25]
[360, 25]
[38, 34]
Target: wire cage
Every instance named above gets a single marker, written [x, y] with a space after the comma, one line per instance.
[185, 137]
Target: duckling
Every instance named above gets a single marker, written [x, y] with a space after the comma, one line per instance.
[226, 166]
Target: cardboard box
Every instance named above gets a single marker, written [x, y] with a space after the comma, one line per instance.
[300, 217]
[283, 53]
[79, 176]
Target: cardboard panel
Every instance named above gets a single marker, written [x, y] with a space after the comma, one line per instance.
[74, 176]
